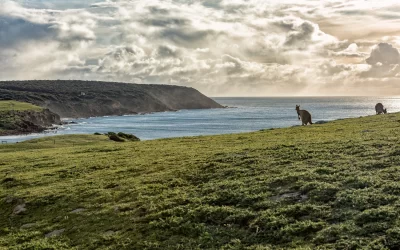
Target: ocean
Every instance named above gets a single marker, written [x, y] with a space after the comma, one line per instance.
[247, 114]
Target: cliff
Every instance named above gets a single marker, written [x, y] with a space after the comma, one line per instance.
[14, 122]
[91, 98]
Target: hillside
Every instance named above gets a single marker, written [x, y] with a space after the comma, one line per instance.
[21, 118]
[17, 106]
[91, 98]
[330, 186]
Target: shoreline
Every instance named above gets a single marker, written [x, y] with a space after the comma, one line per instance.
[52, 131]
[72, 121]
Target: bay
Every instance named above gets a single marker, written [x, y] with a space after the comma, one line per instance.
[249, 114]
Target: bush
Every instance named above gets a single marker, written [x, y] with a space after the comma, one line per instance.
[97, 133]
[376, 215]
[121, 137]
[116, 138]
[319, 191]
[393, 238]
[129, 137]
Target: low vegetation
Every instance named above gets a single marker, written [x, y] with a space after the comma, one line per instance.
[330, 186]
[120, 137]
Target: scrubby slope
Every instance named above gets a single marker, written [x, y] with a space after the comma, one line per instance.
[91, 98]
[331, 186]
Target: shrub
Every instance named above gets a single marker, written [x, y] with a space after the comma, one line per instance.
[375, 215]
[393, 238]
[116, 138]
[320, 192]
[129, 137]
[330, 234]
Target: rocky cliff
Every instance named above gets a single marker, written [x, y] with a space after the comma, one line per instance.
[29, 121]
[91, 98]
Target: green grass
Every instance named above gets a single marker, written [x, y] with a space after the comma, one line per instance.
[17, 106]
[331, 186]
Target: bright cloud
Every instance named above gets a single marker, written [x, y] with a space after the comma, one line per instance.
[222, 48]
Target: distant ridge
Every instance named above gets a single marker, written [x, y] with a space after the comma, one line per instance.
[94, 98]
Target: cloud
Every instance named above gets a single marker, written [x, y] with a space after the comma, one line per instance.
[351, 51]
[385, 54]
[240, 47]
[14, 31]
[299, 35]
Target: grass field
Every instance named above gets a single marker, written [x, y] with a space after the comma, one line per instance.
[330, 186]
[17, 106]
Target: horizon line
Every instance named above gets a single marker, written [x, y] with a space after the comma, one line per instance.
[288, 96]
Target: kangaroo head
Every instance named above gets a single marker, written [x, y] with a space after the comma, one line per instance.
[297, 107]
[385, 111]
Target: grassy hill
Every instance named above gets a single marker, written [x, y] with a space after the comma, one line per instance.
[74, 98]
[330, 186]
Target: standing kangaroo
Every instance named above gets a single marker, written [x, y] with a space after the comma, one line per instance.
[304, 115]
[379, 109]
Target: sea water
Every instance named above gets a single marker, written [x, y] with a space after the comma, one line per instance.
[246, 114]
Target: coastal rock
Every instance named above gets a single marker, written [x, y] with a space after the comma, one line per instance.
[14, 199]
[27, 226]
[44, 118]
[30, 121]
[295, 195]
[10, 199]
[19, 209]
[109, 233]
[78, 210]
[55, 233]
[68, 122]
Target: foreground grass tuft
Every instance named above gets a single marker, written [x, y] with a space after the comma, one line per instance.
[330, 186]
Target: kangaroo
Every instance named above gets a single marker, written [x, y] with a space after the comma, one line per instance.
[304, 115]
[379, 109]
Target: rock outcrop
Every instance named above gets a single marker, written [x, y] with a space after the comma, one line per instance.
[91, 98]
[29, 121]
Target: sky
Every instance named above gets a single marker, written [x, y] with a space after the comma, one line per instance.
[220, 47]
